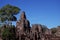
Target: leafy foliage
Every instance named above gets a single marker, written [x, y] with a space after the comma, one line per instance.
[7, 13]
[8, 9]
[8, 33]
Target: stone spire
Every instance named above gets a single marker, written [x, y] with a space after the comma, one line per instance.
[23, 16]
[23, 24]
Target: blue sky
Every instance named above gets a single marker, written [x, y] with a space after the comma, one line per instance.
[45, 12]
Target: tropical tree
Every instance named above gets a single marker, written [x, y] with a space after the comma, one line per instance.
[7, 13]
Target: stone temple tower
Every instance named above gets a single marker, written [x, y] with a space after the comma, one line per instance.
[22, 26]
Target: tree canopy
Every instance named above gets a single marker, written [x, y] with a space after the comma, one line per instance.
[7, 13]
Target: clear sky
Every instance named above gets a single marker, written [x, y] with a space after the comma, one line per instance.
[46, 12]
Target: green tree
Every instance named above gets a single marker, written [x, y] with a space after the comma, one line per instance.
[7, 13]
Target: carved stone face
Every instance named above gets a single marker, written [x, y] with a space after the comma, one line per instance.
[21, 28]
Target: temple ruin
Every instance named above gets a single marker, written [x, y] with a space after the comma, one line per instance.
[25, 32]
